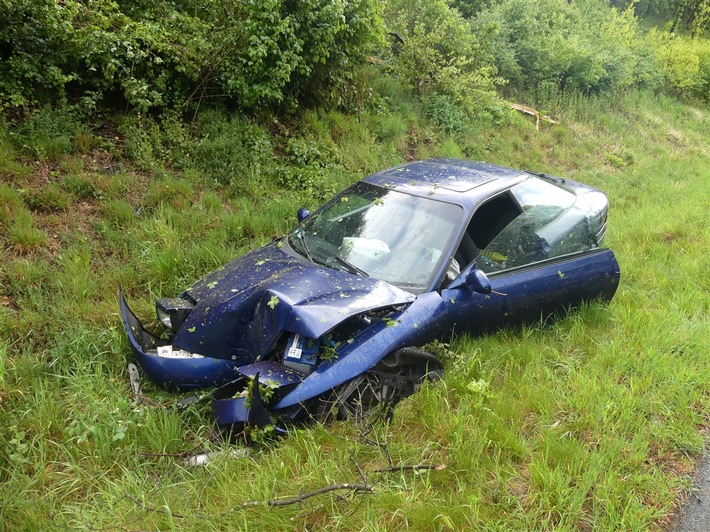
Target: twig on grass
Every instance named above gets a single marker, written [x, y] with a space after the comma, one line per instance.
[415, 467]
[183, 454]
[357, 488]
[359, 469]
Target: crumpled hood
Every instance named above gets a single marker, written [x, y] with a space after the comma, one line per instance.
[242, 308]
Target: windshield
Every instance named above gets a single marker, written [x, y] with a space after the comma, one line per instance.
[379, 232]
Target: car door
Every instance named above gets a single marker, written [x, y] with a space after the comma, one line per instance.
[536, 291]
[532, 276]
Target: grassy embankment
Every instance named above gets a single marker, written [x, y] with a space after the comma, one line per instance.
[592, 423]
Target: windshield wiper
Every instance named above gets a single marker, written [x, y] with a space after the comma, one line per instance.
[350, 266]
[343, 262]
[302, 239]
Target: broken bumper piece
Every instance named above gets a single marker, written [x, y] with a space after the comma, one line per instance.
[243, 403]
[173, 369]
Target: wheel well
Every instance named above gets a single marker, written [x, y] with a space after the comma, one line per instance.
[413, 355]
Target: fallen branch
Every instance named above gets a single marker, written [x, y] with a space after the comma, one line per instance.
[532, 112]
[300, 498]
[416, 467]
[364, 487]
[183, 454]
[356, 488]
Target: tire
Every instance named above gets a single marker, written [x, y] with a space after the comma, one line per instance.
[372, 396]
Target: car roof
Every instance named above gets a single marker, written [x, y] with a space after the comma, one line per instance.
[454, 180]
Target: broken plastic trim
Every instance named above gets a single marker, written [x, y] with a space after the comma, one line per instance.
[239, 404]
[172, 312]
[183, 370]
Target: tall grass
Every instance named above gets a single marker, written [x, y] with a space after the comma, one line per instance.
[594, 422]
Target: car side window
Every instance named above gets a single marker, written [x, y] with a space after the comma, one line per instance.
[486, 223]
[548, 226]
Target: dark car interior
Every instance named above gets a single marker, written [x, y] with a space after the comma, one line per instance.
[489, 220]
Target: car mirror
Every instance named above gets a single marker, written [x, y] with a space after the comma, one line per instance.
[302, 214]
[474, 279]
[478, 281]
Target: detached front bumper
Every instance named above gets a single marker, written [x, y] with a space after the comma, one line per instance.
[173, 373]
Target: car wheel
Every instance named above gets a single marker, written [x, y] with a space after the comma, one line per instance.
[372, 396]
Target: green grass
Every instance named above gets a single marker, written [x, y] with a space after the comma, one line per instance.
[594, 422]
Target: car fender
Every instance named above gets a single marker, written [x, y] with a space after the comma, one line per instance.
[418, 324]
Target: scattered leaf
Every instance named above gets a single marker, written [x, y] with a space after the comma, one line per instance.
[273, 302]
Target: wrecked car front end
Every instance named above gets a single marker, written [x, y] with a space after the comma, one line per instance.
[297, 328]
[261, 303]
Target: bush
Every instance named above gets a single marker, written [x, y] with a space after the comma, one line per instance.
[283, 51]
[684, 63]
[436, 52]
[445, 113]
[308, 168]
[261, 54]
[229, 150]
[35, 45]
[151, 141]
[586, 48]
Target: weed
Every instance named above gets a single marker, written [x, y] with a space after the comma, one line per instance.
[48, 133]
[119, 213]
[448, 149]
[229, 149]
[23, 235]
[49, 198]
[10, 168]
[169, 191]
[80, 187]
[10, 203]
[446, 113]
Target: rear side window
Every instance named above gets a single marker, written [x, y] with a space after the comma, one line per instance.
[548, 225]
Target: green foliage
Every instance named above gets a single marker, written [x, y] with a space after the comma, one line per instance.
[80, 187]
[34, 46]
[308, 168]
[161, 55]
[10, 204]
[436, 52]
[567, 46]
[446, 113]
[684, 63]
[282, 51]
[50, 198]
[229, 150]
[150, 142]
[470, 8]
[48, 133]
[23, 235]
[151, 60]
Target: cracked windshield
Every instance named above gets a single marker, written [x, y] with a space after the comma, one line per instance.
[382, 233]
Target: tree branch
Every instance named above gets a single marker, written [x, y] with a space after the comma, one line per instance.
[300, 498]
[416, 467]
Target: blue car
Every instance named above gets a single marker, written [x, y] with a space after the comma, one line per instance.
[332, 320]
